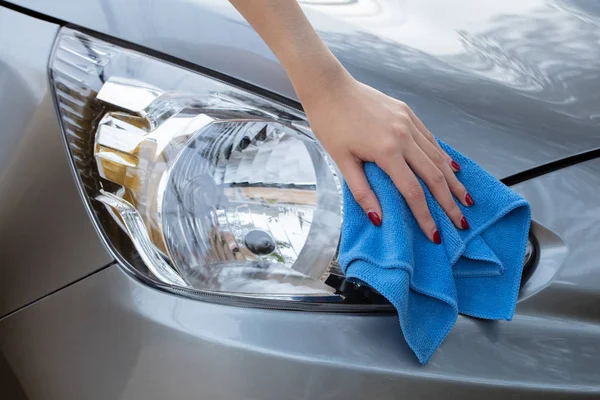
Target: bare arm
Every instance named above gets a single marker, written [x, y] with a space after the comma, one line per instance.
[356, 123]
[289, 34]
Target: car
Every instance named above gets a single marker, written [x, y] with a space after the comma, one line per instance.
[169, 224]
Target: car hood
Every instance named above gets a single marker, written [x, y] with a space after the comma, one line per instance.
[512, 84]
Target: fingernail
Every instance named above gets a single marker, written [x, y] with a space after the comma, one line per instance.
[374, 217]
[464, 223]
[469, 199]
[437, 239]
[455, 165]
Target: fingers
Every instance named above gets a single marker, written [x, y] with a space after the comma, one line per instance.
[357, 182]
[408, 185]
[431, 172]
[457, 188]
[429, 136]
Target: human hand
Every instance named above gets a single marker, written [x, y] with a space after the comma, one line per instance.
[356, 123]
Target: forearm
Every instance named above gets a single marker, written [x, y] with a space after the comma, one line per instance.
[308, 62]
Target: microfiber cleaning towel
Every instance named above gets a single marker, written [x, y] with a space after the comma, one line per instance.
[476, 272]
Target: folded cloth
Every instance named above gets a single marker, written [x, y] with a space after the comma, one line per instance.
[475, 272]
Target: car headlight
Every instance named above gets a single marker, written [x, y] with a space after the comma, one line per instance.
[218, 190]
[198, 186]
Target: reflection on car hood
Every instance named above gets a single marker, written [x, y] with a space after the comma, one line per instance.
[512, 84]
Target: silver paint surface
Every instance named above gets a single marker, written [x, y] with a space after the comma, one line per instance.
[46, 237]
[512, 84]
[116, 338]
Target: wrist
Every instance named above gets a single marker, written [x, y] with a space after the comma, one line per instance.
[320, 82]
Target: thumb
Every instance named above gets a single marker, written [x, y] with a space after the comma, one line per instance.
[357, 182]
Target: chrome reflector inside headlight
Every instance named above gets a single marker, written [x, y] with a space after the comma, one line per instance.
[217, 189]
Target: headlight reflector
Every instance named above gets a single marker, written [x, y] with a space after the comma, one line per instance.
[218, 189]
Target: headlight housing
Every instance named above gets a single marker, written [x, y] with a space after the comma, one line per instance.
[199, 185]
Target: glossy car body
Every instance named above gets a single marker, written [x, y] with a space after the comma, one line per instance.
[515, 85]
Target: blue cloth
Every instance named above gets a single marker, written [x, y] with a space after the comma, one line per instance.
[475, 272]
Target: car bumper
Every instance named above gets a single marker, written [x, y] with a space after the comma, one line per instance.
[112, 337]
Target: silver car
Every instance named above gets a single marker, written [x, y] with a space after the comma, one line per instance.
[169, 224]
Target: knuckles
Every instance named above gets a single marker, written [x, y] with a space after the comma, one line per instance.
[389, 147]
[437, 177]
[360, 196]
[454, 210]
[400, 128]
[438, 159]
[403, 106]
[414, 192]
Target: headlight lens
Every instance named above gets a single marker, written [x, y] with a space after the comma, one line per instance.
[201, 187]
[218, 189]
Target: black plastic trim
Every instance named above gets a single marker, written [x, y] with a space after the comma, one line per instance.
[531, 264]
[31, 13]
[547, 168]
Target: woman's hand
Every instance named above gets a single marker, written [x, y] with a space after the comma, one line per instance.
[356, 123]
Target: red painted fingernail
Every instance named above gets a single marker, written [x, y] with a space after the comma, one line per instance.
[464, 223]
[455, 165]
[469, 199]
[437, 239]
[374, 217]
